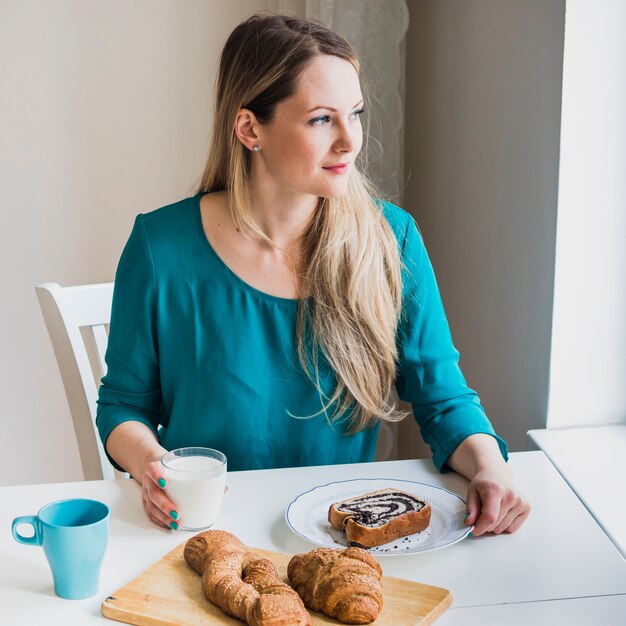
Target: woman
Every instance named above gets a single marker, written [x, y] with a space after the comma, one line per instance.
[270, 315]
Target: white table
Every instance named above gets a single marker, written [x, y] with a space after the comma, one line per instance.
[592, 460]
[559, 568]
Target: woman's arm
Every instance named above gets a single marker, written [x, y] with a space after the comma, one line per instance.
[493, 503]
[129, 398]
[131, 388]
[135, 448]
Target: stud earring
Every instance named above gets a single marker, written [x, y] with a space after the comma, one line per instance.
[256, 148]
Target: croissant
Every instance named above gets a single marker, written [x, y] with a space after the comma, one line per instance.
[243, 584]
[345, 584]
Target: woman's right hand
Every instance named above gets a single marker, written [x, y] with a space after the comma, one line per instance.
[135, 448]
[160, 509]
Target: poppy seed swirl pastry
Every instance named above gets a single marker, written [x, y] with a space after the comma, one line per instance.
[379, 517]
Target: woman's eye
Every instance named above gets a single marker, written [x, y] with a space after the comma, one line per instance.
[358, 113]
[321, 120]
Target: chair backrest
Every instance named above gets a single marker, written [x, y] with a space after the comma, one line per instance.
[77, 319]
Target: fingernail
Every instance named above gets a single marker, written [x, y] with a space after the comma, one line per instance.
[466, 516]
[173, 525]
[162, 482]
[173, 514]
[471, 535]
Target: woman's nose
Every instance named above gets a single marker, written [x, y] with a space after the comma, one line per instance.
[345, 141]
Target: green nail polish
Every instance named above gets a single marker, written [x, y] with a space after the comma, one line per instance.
[471, 535]
[173, 525]
[173, 514]
[162, 482]
[466, 516]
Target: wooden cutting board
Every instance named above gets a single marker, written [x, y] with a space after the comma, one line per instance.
[169, 594]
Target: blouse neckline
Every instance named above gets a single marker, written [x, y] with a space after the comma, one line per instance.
[235, 277]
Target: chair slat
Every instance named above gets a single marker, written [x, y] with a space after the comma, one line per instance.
[100, 338]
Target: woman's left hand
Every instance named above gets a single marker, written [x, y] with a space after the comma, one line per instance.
[493, 503]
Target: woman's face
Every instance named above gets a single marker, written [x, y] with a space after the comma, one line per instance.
[310, 145]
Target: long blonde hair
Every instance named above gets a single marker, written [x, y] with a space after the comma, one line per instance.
[350, 266]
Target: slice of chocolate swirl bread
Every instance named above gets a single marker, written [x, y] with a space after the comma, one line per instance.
[379, 517]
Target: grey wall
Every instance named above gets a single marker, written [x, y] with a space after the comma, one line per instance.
[483, 96]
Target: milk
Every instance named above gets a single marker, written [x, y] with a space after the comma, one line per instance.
[195, 484]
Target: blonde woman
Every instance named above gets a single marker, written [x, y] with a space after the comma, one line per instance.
[270, 315]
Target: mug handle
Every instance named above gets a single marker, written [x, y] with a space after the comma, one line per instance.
[33, 520]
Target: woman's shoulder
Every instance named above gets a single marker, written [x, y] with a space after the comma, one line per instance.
[395, 215]
[170, 225]
[166, 234]
[401, 221]
[170, 215]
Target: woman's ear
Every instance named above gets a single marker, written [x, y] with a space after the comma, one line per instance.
[246, 126]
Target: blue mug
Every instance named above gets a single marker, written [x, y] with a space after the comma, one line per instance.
[74, 536]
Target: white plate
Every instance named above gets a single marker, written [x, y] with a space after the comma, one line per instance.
[307, 515]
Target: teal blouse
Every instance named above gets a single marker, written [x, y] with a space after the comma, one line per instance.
[204, 359]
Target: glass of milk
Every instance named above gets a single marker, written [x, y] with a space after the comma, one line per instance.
[196, 478]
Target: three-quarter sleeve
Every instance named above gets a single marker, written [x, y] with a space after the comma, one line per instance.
[429, 377]
[131, 388]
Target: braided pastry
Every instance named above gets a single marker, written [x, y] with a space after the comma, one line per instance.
[345, 584]
[243, 584]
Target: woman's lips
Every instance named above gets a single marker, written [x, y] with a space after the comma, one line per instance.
[342, 168]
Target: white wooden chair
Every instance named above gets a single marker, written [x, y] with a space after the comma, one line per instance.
[77, 319]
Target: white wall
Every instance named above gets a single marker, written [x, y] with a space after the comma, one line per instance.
[483, 85]
[105, 110]
[588, 367]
